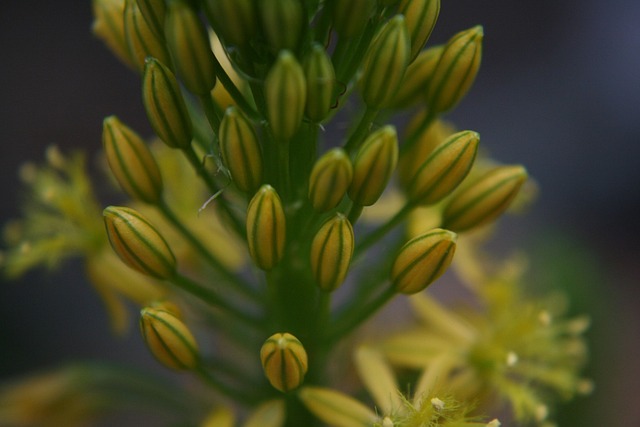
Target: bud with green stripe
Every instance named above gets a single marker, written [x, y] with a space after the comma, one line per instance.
[351, 17]
[331, 252]
[137, 242]
[330, 179]
[286, 95]
[108, 25]
[282, 22]
[321, 83]
[235, 21]
[421, 17]
[284, 361]
[153, 11]
[416, 79]
[142, 40]
[266, 228]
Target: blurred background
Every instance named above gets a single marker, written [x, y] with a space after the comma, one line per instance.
[558, 91]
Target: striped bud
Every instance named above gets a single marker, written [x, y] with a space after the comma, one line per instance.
[385, 63]
[236, 21]
[351, 17]
[266, 228]
[485, 199]
[284, 361]
[240, 150]
[286, 95]
[456, 70]
[138, 243]
[416, 79]
[421, 17]
[190, 49]
[336, 408]
[373, 166]
[108, 25]
[282, 21]
[131, 161]
[165, 106]
[321, 83]
[153, 11]
[331, 252]
[142, 40]
[422, 260]
[330, 178]
[445, 168]
[168, 339]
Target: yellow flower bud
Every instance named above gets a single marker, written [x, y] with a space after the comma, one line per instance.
[165, 106]
[330, 178]
[336, 408]
[350, 17]
[240, 150]
[153, 11]
[385, 63]
[284, 361]
[416, 79]
[266, 228]
[190, 49]
[282, 22]
[373, 166]
[321, 83]
[236, 21]
[108, 25]
[485, 199]
[168, 339]
[422, 260]
[131, 161]
[445, 168]
[456, 70]
[138, 243]
[142, 40]
[286, 95]
[331, 252]
[421, 17]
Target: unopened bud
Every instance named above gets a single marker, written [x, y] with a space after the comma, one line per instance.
[421, 17]
[108, 25]
[485, 199]
[284, 361]
[456, 70]
[169, 339]
[321, 83]
[416, 79]
[331, 252]
[236, 21]
[142, 40]
[422, 260]
[131, 161]
[286, 95]
[165, 106]
[240, 150]
[330, 178]
[153, 11]
[282, 21]
[351, 17]
[266, 228]
[444, 169]
[138, 243]
[373, 166]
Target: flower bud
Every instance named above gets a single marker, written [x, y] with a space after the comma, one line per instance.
[336, 408]
[456, 70]
[282, 21]
[142, 40]
[445, 168]
[284, 361]
[153, 11]
[108, 25]
[422, 260]
[271, 413]
[485, 199]
[190, 49]
[138, 243]
[331, 252]
[266, 228]
[421, 17]
[131, 161]
[168, 339]
[321, 82]
[286, 95]
[240, 150]
[373, 166]
[235, 21]
[385, 63]
[351, 17]
[330, 178]
[165, 106]
[416, 79]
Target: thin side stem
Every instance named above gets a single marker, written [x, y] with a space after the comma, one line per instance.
[362, 130]
[237, 96]
[241, 396]
[373, 237]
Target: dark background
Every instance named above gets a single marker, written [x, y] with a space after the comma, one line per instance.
[558, 91]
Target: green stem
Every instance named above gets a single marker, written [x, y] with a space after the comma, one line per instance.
[212, 112]
[373, 237]
[362, 130]
[284, 169]
[354, 213]
[237, 96]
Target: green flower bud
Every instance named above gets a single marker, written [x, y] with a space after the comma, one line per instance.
[456, 70]
[266, 228]
[190, 49]
[421, 17]
[373, 166]
[416, 79]
[138, 243]
[282, 21]
[286, 95]
[142, 40]
[445, 168]
[351, 17]
[236, 21]
[108, 25]
[168, 339]
[422, 260]
[165, 106]
[331, 252]
[153, 11]
[321, 83]
[284, 361]
[485, 199]
[131, 161]
[240, 150]
[330, 179]
[385, 63]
